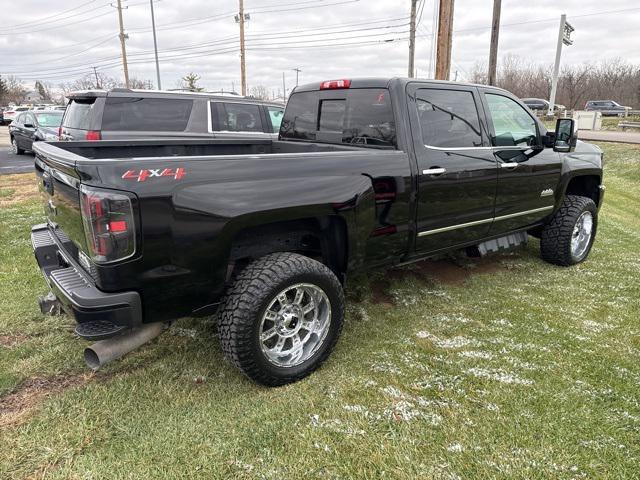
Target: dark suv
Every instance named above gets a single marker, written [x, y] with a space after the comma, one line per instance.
[137, 114]
[607, 107]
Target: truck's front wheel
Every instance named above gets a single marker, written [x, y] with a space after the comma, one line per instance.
[568, 237]
[281, 318]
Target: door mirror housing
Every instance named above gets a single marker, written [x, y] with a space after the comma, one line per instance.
[566, 135]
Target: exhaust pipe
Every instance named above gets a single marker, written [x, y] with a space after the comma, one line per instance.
[104, 351]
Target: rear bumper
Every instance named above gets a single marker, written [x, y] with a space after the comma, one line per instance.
[76, 291]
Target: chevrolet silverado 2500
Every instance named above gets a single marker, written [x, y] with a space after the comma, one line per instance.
[263, 233]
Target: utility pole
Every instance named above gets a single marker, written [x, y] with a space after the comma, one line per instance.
[284, 88]
[95, 72]
[297, 70]
[564, 37]
[243, 71]
[412, 39]
[155, 44]
[123, 37]
[443, 48]
[493, 50]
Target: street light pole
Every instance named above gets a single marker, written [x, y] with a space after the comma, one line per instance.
[155, 44]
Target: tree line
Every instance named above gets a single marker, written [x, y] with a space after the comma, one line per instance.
[608, 80]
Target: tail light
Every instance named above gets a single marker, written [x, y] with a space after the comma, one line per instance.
[108, 224]
[335, 84]
[93, 135]
[59, 132]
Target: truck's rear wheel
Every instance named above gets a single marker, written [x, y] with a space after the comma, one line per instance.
[281, 318]
[569, 235]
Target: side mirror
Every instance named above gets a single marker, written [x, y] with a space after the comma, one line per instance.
[566, 135]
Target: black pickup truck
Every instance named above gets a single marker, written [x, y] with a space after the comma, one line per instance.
[263, 233]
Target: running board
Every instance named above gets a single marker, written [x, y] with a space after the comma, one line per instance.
[503, 243]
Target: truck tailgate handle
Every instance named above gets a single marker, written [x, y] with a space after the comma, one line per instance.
[511, 165]
[434, 171]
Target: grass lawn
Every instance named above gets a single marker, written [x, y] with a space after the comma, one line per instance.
[505, 367]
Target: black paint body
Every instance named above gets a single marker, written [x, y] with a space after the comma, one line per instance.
[377, 198]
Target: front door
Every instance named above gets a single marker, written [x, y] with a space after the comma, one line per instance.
[528, 173]
[457, 171]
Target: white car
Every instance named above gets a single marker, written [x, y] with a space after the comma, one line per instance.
[11, 113]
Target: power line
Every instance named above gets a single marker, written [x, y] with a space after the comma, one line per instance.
[42, 20]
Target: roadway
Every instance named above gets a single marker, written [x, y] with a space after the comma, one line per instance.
[10, 163]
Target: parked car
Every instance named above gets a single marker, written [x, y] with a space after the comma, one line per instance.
[33, 126]
[136, 114]
[541, 104]
[2, 117]
[11, 113]
[606, 107]
[141, 232]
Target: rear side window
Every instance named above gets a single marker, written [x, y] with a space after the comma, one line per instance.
[357, 117]
[146, 114]
[236, 117]
[78, 113]
[448, 118]
[275, 115]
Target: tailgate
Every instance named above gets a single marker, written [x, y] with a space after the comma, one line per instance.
[59, 184]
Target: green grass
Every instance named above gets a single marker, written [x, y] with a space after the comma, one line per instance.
[524, 370]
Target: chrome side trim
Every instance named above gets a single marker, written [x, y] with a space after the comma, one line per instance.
[480, 222]
[500, 148]
[454, 227]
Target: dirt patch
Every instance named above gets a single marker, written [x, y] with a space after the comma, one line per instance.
[450, 271]
[17, 188]
[16, 407]
[457, 271]
[12, 340]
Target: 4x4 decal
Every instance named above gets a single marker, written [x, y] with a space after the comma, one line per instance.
[142, 175]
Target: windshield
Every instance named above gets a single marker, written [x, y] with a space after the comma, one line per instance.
[49, 119]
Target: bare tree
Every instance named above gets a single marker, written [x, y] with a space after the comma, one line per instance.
[260, 92]
[612, 79]
[190, 82]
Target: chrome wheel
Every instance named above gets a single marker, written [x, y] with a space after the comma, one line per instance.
[581, 235]
[295, 324]
[14, 146]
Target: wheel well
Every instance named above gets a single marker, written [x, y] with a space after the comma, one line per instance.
[321, 238]
[585, 186]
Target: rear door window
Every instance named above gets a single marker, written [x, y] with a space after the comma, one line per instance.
[146, 114]
[357, 117]
[78, 113]
[236, 117]
[448, 118]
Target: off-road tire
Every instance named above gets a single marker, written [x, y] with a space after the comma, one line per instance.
[555, 240]
[15, 148]
[241, 310]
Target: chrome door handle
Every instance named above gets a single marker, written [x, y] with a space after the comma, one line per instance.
[434, 171]
[509, 165]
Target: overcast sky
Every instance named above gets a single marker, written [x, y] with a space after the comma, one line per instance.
[60, 41]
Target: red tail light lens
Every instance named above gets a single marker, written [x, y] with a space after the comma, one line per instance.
[335, 84]
[59, 132]
[93, 135]
[108, 224]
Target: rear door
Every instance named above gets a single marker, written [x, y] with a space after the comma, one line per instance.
[528, 173]
[457, 172]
